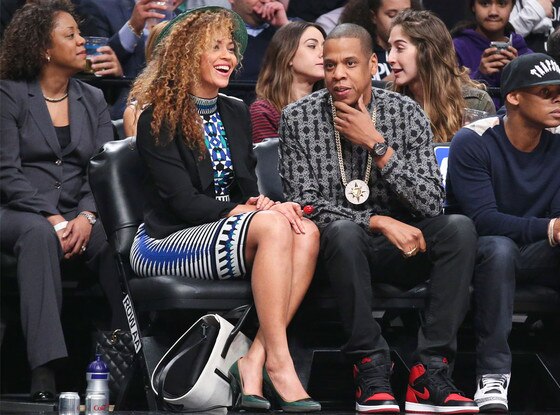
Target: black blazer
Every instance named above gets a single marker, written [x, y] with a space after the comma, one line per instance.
[180, 187]
[36, 175]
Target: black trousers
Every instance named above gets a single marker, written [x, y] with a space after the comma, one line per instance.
[32, 239]
[354, 258]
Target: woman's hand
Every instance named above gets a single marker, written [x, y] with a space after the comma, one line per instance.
[76, 236]
[106, 63]
[55, 220]
[493, 60]
[292, 211]
[261, 202]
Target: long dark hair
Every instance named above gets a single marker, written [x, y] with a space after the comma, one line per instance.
[28, 36]
[275, 77]
[360, 12]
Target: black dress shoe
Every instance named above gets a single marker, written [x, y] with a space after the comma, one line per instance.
[42, 396]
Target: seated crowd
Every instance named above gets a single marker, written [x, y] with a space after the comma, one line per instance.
[358, 157]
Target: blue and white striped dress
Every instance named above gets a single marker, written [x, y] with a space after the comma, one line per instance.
[210, 251]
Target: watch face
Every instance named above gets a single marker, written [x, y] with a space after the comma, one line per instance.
[379, 149]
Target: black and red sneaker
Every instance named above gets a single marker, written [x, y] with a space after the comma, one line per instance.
[373, 390]
[431, 390]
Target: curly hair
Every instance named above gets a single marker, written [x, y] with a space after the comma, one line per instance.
[275, 78]
[174, 73]
[360, 12]
[28, 36]
[441, 77]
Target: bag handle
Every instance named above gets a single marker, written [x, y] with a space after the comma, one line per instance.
[160, 381]
[237, 328]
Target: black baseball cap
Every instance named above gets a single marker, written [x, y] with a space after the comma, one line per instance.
[529, 70]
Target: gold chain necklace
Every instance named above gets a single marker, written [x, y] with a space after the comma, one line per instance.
[62, 98]
[356, 191]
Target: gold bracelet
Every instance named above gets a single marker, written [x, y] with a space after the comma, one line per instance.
[551, 240]
[134, 32]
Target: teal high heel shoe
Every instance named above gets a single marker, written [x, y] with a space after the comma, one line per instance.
[240, 400]
[301, 405]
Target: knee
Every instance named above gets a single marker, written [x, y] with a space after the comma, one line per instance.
[40, 233]
[341, 234]
[273, 226]
[309, 241]
[461, 230]
[499, 250]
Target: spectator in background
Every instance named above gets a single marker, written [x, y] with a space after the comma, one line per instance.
[504, 174]
[553, 45]
[203, 198]
[123, 22]
[376, 17]
[262, 18]
[532, 20]
[132, 112]
[472, 41]
[292, 67]
[51, 125]
[425, 68]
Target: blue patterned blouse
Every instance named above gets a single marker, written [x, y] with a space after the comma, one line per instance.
[217, 145]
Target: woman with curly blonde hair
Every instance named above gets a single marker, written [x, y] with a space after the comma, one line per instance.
[204, 217]
[425, 69]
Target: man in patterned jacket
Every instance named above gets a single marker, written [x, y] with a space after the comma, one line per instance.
[362, 158]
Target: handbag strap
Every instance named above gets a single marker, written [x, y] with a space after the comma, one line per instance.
[160, 380]
[237, 328]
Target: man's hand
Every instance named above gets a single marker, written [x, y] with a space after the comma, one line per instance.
[272, 12]
[76, 236]
[141, 12]
[556, 231]
[408, 239]
[356, 124]
[107, 63]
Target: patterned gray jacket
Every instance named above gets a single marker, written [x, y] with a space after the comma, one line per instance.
[408, 187]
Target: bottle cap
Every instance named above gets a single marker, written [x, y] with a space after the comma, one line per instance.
[98, 365]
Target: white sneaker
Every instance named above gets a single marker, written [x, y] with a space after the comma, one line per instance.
[491, 392]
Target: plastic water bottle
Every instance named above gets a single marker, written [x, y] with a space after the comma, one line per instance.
[97, 376]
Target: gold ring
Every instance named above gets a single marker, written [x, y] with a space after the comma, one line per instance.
[411, 252]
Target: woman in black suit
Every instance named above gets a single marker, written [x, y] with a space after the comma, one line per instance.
[51, 125]
[204, 217]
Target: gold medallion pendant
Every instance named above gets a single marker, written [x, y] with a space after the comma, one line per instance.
[356, 192]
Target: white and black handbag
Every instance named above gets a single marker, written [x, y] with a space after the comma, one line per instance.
[193, 373]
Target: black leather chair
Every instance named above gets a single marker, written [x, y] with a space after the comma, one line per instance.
[116, 176]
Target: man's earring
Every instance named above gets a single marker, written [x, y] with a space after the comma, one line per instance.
[48, 58]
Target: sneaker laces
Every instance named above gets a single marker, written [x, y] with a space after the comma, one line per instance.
[496, 382]
[442, 382]
[375, 378]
